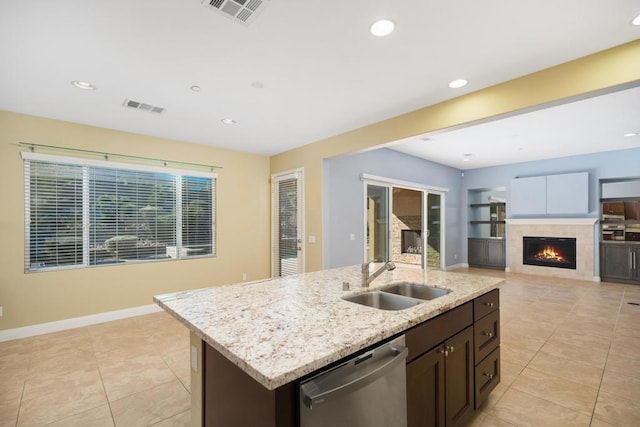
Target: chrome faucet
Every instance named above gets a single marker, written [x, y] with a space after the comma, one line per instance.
[368, 278]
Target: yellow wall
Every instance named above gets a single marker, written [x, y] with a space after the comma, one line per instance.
[598, 72]
[243, 191]
[243, 228]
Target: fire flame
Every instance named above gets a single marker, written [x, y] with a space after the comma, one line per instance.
[550, 253]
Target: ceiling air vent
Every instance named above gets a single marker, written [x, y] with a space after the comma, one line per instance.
[242, 11]
[142, 106]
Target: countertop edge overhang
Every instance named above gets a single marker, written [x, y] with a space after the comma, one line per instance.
[281, 329]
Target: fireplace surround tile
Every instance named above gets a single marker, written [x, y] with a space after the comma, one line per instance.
[583, 230]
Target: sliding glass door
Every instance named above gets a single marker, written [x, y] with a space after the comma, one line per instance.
[377, 224]
[434, 231]
[404, 225]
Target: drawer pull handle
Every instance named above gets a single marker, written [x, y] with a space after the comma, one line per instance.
[488, 334]
[490, 376]
[450, 348]
[445, 352]
[489, 304]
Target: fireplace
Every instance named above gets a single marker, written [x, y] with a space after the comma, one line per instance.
[411, 242]
[557, 252]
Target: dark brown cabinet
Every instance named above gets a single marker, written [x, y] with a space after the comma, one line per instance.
[486, 332]
[440, 384]
[425, 390]
[486, 253]
[620, 262]
[453, 363]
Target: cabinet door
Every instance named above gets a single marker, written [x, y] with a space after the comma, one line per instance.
[425, 390]
[529, 196]
[496, 253]
[615, 261]
[477, 252]
[459, 378]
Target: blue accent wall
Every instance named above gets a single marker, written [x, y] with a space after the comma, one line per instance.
[343, 192]
[344, 198]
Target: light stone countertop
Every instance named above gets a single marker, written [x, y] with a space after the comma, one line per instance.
[278, 330]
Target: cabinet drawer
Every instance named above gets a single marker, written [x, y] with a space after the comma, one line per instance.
[485, 304]
[487, 376]
[486, 335]
[429, 334]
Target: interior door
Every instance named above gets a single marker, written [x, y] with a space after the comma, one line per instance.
[287, 228]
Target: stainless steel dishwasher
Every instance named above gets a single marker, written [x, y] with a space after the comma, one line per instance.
[366, 391]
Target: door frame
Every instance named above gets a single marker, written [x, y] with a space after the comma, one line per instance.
[391, 183]
[297, 173]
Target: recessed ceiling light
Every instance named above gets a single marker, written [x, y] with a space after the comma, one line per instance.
[228, 121]
[636, 21]
[195, 88]
[631, 134]
[458, 83]
[467, 157]
[382, 27]
[257, 85]
[83, 85]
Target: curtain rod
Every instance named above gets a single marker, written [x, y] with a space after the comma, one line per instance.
[31, 146]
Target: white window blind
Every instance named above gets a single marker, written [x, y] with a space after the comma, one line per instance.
[80, 214]
[288, 226]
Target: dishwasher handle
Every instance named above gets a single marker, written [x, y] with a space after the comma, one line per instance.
[312, 396]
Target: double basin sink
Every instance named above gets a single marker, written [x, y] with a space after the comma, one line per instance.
[398, 296]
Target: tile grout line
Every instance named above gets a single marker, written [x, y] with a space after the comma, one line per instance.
[104, 388]
[615, 327]
[24, 385]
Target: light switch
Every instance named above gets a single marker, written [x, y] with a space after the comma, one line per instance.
[352, 236]
[312, 239]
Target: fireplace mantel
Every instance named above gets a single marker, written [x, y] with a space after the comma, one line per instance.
[555, 221]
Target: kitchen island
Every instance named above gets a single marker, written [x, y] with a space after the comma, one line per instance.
[270, 333]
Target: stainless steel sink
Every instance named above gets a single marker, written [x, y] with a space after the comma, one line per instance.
[383, 300]
[415, 290]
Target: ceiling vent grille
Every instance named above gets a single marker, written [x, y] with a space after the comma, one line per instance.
[241, 11]
[142, 106]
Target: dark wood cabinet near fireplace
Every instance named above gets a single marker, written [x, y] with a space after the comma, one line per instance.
[486, 253]
[620, 262]
[620, 230]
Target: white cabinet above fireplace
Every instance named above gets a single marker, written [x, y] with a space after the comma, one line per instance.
[565, 194]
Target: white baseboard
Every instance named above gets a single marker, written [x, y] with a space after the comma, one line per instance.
[454, 266]
[76, 322]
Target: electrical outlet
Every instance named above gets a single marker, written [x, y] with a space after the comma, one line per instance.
[1, 312]
[244, 276]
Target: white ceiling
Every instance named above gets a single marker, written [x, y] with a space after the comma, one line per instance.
[588, 126]
[322, 72]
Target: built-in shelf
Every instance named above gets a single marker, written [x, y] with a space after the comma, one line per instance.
[487, 228]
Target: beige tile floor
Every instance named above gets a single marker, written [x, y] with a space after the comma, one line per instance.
[570, 356]
[131, 372]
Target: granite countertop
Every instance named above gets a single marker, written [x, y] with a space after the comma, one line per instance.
[278, 330]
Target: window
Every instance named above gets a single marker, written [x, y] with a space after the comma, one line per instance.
[81, 213]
